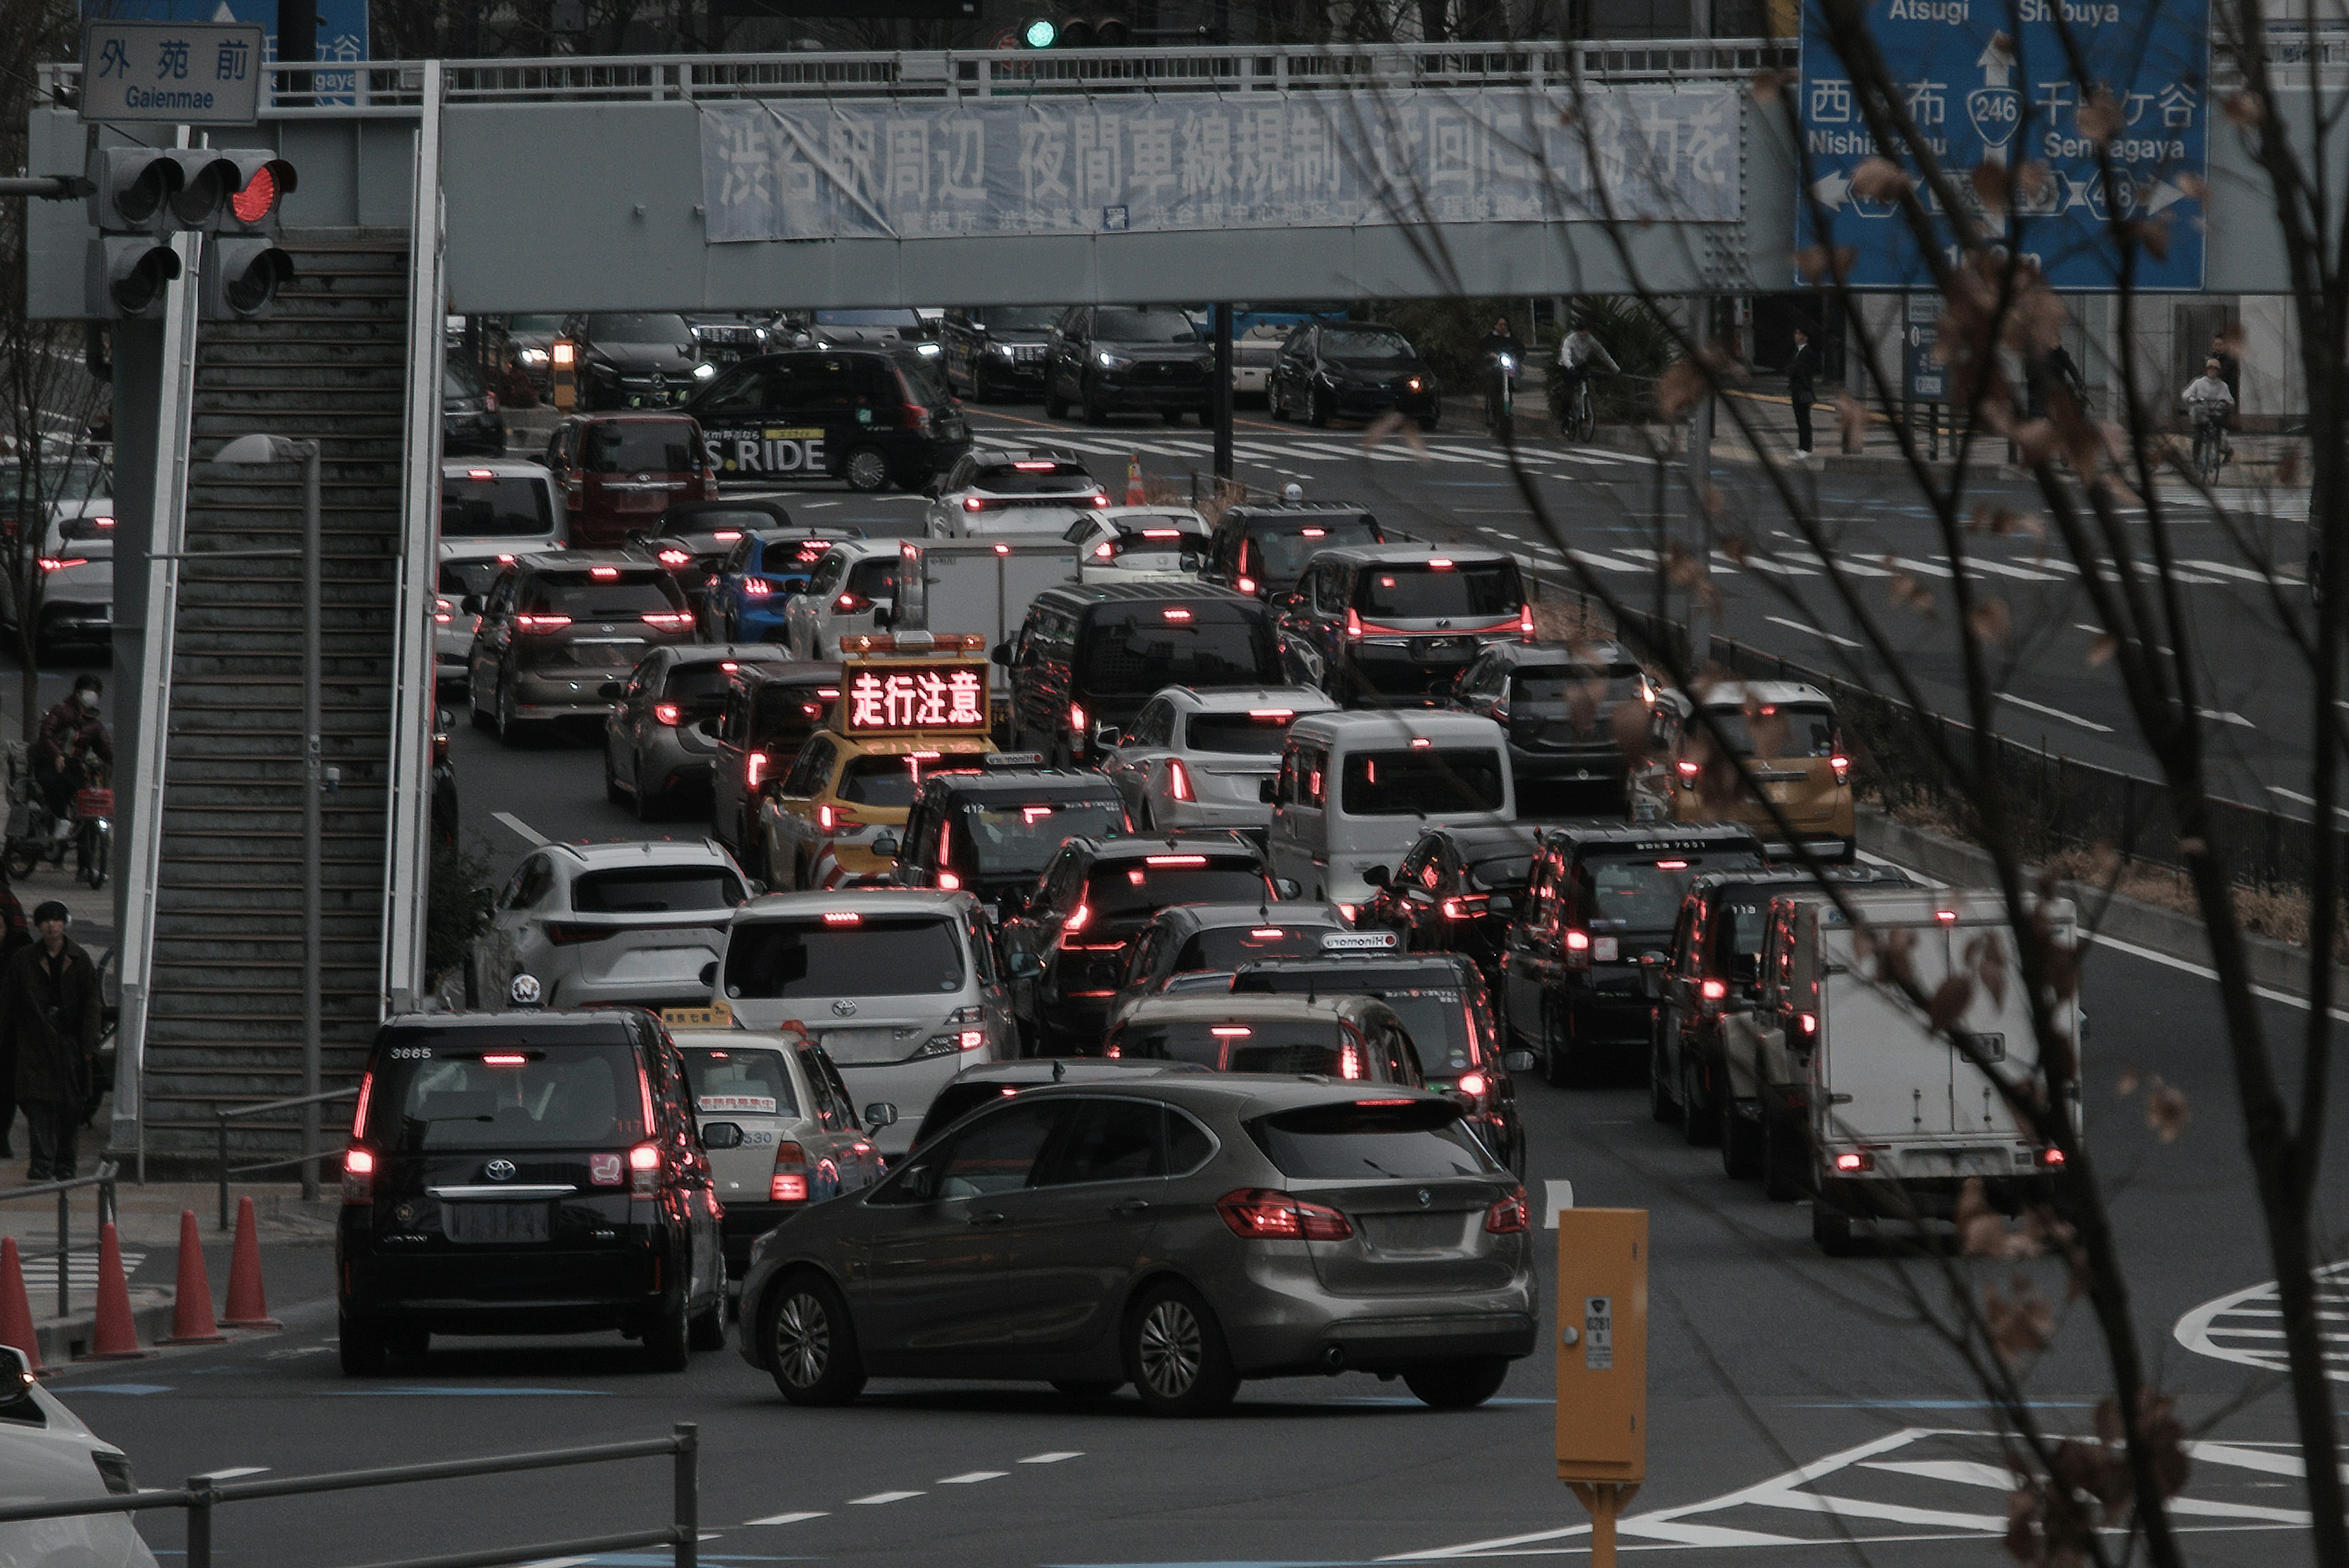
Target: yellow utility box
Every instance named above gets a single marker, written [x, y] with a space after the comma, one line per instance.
[1603, 1362]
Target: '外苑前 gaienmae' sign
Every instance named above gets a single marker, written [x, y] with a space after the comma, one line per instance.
[172, 73]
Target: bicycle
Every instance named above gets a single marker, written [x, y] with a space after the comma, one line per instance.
[1501, 397]
[2211, 452]
[1582, 411]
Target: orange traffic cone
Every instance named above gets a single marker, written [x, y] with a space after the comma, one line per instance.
[1134, 495]
[16, 1307]
[115, 1337]
[191, 1307]
[247, 1307]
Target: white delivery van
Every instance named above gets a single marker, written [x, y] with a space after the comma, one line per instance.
[1855, 1098]
[978, 584]
[1356, 790]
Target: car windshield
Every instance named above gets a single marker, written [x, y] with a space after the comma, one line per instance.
[473, 1090]
[587, 596]
[845, 953]
[1356, 347]
[1232, 946]
[1776, 730]
[1286, 1046]
[1279, 550]
[1018, 317]
[1135, 649]
[1413, 782]
[1034, 477]
[1258, 734]
[1143, 327]
[463, 578]
[1430, 590]
[456, 381]
[480, 505]
[642, 446]
[734, 1081]
[1414, 1140]
[1579, 687]
[698, 687]
[639, 328]
[655, 890]
[1437, 1022]
[873, 579]
[905, 320]
[1138, 886]
[1638, 887]
[1007, 839]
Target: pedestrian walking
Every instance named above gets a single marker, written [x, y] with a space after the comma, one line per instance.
[16, 937]
[51, 1017]
[1802, 390]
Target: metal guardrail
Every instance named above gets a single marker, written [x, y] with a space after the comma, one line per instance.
[359, 87]
[203, 1494]
[238, 1113]
[104, 1181]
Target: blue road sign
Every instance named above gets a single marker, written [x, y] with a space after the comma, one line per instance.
[1981, 94]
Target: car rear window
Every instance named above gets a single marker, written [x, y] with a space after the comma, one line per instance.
[738, 1082]
[478, 1091]
[1418, 590]
[1040, 476]
[1412, 1140]
[480, 504]
[881, 781]
[788, 713]
[1005, 838]
[1280, 549]
[700, 688]
[1640, 890]
[662, 446]
[1130, 886]
[851, 953]
[463, 578]
[874, 579]
[713, 520]
[584, 596]
[655, 890]
[1235, 945]
[1776, 730]
[1138, 649]
[1286, 1046]
[1578, 687]
[1501, 873]
[1239, 734]
[1409, 782]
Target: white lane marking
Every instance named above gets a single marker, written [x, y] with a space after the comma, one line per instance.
[2244, 574]
[1814, 631]
[2186, 966]
[519, 828]
[2027, 574]
[2197, 1328]
[1775, 568]
[1604, 563]
[1911, 563]
[971, 1478]
[236, 1470]
[1860, 568]
[793, 1518]
[2056, 712]
[1054, 1457]
[2221, 716]
[880, 1497]
[1964, 1472]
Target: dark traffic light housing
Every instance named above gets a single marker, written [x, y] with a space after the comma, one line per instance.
[141, 196]
[1091, 30]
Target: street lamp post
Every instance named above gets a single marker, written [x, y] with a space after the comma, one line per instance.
[252, 451]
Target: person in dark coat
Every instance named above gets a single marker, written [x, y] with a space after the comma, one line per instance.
[1802, 390]
[51, 1017]
[16, 936]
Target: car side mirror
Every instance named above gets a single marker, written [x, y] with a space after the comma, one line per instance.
[709, 726]
[1023, 966]
[886, 847]
[1651, 974]
[611, 690]
[709, 974]
[755, 886]
[1378, 876]
[878, 1115]
[1500, 904]
[1002, 654]
[1518, 1061]
[444, 718]
[1106, 734]
[1287, 886]
[884, 616]
[1264, 790]
[721, 1135]
[470, 604]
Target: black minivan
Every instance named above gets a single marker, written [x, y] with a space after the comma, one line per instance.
[528, 1173]
[1088, 656]
[860, 415]
[1263, 548]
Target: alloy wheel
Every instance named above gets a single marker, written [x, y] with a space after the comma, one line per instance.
[1172, 1348]
[802, 1347]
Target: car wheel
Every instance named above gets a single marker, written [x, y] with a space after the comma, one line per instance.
[1316, 407]
[669, 1336]
[810, 1344]
[1831, 1229]
[509, 727]
[1700, 1118]
[1085, 1390]
[866, 470]
[1557, 1047]
[1096, 411]
[1741, 1143]
[1783, 1152]
[1056, 407]
[1460, 1384]
[648, 805]
[612, 790]
[363, 1348]
[1175, 1354]
[1274, 405]
[483, 719]
[707, 1331]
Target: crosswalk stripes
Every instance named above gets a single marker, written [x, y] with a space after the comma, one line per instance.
[81, 1269]
[2247, 1327]
[1921, 1483]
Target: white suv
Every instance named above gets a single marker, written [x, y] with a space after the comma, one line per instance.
[1117, 544]
[848, 594]
[1196, 759]
[629, 923]
[992, 490]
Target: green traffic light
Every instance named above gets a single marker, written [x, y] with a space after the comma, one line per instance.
[1041, 32]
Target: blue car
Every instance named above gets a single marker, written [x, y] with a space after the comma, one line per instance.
[748, 589]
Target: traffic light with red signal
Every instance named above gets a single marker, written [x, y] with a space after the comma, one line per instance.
[141, 197]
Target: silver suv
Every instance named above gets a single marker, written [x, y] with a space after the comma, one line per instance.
[633, 924]
[1198, 759]
[902, 988]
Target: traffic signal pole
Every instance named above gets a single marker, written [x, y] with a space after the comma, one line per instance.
[1222, 401]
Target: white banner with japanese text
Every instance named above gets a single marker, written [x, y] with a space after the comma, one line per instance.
[794, 171]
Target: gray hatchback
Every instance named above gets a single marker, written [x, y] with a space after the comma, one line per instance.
[1178, 1234]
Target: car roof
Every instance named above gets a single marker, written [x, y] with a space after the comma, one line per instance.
[1086, 596]
[583, 1018]
[1413, 555]
[865, 549]
[718, 652]
[685, 509]
[1550, 651]
[1030, 453]
[634, 416]
[1205, 841]
[1738, 694]
[738, 1039]
[593, 853]
[1779, 878]
[1074, 782]
[1246, 1095]
[1299, 700]
[1181, 517]
[1241, 1007]
[1336, 964]
[1524, 835]
[504, 467]
[1066, 1070]
[580, 560]
[1607, 833]
[1288, 511]
[1397, 724]
[1300, 912]
[863, 900]
[794, 671]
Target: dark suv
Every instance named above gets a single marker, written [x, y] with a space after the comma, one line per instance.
[859, 415]
[635, 359]
[1566, 708]
[1262, 548]
[1393, 624]
[1088, 907]
[998, 351]
[1600, 895]
[556, 627]
[502, 1179]
[1352, 370]
[1108, 358]
[992, 833]
[767, 715]
[1712, 968]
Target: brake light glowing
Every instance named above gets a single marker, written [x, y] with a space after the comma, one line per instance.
[1076, 719]
[504, 1059]
[1671, 865]
[1421, 743]
[1230, 1031]
[1104, 551]
[949, 881]
[1808, 1022]
[643, 1165]
[669, 620]
[1099, 499]
[1714, 989]
[673, 557]
[757, 588]
[1853, 1161]
[358, 1175]
[2052, 1158]
[1350, 1062]
[59, 562]
[1178, 615]
[727, 535]
[1261, 1215]
[843, 917]
[847, 604]
[1161, 532]
[1510, 1215]
[754, 770]
[1577, 941]
[788, 1184]
[1347, 909]
[1353, 622]
[541, 622]
[1525, 621]
[1688, 768]
[1174, 860]
[1947, 917]
[1266, 933]
[826, 818]
[1473, 1084]
[1032, 815]
[668, 712]
[1439, 565]
[972, 503]
[1281, 715]
[1078, 918]
[1842, 766]
[1314, 533]
[1178, 779]
[1028, 467]
[1463, 907]
[443, 612]
[1247, 585]
[479, 473]
[1003, 549]
[604, 574]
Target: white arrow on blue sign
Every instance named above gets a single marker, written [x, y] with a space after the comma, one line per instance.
[1978, 95]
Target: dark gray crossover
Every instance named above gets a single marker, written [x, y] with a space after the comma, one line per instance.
[1180, 1233]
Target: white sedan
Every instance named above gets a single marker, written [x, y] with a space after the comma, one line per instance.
[1197, 758]
[48, 1456]
[1117, 544]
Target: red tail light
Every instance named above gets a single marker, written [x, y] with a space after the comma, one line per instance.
[1688, 768]
[1076, 719]
[1178, 779]
[1259, 1214]
[848, 604]
[1525, 621]
[604, 574]
[757, 588]
[1350, 1062]
[754, 769]
[1473, 1085]
[1247, 585]
[826, 818]
[540, 623]
[1463, 908]
[668, 712]
[949, 882]
[1854, 1160]
[1578, 949]
[673, 558]
[1842, 766]
[367, 1093]
[643, 1168]
[670, 621]
[917, 418]
[2053, 1159]
[1509, 1215]
[443, 612]
[1714, 989]
[789, 1183]
[1099, 499]
[358, 1174]
[1808, 1022]
[1354, 623]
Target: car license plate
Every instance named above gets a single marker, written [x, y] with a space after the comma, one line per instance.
[1606, 949]
[493, 1223]
[640, 501]
[1923, 1162]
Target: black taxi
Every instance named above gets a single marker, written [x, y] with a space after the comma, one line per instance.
[528, 1173]
[864, 416]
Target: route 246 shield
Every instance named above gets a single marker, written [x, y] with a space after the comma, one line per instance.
[771, 452]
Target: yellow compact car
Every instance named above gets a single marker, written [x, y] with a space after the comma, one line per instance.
[1787, 736]
[910, 706]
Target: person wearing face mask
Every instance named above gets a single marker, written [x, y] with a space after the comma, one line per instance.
[70, 732]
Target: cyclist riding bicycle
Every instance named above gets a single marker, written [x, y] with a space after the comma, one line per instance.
[2207, 401]
[71, 732]
[1505, 355]
[1579, 353]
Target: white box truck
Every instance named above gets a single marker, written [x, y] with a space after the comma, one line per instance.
[1856, 1101]
[976, 585]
